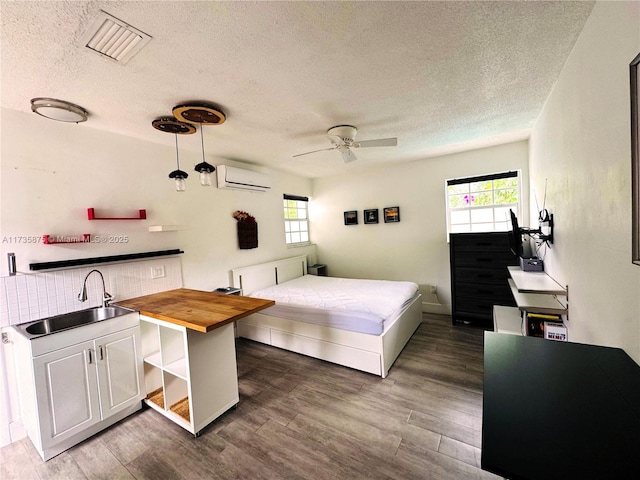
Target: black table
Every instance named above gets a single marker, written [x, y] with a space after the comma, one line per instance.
[556, 410]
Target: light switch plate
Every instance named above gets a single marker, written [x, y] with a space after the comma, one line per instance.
[158, 272]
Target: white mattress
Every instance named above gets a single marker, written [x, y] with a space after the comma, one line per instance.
[348, 304]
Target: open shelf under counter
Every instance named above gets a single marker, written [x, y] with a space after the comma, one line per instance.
[177, 368]
[154, 359]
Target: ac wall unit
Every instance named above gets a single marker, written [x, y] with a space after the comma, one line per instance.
[240, 179]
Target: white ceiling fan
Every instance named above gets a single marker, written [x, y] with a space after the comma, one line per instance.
[342, 138]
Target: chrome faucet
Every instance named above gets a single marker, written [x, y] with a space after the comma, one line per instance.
[107, 298]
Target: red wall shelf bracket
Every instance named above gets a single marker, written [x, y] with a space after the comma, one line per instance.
[142, 215]
[56, 239]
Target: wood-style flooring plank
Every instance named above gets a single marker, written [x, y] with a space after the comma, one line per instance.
[303, 418]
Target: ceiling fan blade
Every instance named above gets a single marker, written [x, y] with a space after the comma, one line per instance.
[380, 142]
[314, 151]
[348, 155]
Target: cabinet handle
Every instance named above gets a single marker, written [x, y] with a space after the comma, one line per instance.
[90, 352]
[101, 352]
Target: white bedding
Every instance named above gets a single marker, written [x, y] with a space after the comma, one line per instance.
[349, 304]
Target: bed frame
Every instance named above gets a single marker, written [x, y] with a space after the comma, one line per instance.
[369, 353]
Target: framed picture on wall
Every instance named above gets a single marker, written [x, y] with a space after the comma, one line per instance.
[351, 217]
[371, 216]
[635, 159]
[391, 214]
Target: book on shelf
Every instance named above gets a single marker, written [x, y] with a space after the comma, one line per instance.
[536, 323]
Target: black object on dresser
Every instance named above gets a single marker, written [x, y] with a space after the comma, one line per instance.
[479, 276]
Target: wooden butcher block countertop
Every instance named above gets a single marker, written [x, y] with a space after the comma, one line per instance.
[195, 309]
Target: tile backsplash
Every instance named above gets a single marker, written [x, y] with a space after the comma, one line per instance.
[28, 297]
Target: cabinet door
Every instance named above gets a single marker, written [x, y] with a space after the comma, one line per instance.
[120, 371]
[67, 392]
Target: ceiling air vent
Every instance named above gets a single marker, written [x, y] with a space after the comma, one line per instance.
[113, 38]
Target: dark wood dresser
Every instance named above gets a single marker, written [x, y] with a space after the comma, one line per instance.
[479, 276]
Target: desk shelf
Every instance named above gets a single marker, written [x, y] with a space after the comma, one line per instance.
[536, 302]
[535, 282]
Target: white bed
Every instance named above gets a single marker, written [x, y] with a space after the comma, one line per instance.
[280, 327]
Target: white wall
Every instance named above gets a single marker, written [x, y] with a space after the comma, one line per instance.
[52, 172]
[415, 249]
[581, 145]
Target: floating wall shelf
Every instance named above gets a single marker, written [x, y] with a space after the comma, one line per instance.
[165, 228]
[58, 239]
[95, 260]
[142, 215]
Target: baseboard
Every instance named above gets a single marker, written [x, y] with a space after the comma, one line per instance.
[437, 308]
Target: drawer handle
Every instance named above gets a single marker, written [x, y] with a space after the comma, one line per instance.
[101, 352]
[90, 352]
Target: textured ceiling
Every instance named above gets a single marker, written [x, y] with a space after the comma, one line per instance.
[440, 76]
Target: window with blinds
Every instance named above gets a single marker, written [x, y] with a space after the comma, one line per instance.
[296, 220]
[482, 203]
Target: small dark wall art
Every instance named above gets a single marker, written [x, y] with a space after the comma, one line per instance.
[371, 216]
[351, 217]
[391, 214]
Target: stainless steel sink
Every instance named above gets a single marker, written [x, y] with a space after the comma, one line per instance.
[70, 320]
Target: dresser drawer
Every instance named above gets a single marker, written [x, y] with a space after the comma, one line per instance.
[481, 275]
[491, 291]
[487, 259]
[480, 242]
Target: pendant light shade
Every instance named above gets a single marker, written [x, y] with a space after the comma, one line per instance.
[172, 125]
[203, 168]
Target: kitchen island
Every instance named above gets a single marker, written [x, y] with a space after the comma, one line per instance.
[188, 348]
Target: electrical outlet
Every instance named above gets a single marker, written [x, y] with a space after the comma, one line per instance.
[434, 289]
[157, 272]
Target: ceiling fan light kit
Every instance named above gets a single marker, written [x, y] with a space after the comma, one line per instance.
[59, 110]
[342, 137]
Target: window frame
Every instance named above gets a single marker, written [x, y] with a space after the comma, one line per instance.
[480, 178]
[297, 198]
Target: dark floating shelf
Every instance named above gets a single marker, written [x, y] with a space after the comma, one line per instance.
[108, 259]
[91, 214]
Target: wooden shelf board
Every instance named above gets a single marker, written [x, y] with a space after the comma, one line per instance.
[536, 302]
[535, 282]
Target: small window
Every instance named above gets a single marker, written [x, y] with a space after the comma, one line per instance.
[296, 220]
[481, 204]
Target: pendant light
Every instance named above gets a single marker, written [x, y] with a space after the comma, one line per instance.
[203, 168]
[204, 114]
[179, 175]
[172, 125]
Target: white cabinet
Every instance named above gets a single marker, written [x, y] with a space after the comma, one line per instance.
[190, 377]
[68, 394]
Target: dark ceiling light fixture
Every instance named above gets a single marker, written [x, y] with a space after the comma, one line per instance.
[172, 125]
[59, 110]
[201, 113]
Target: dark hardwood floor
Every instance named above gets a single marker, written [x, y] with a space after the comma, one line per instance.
[302, 418]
